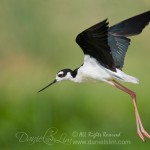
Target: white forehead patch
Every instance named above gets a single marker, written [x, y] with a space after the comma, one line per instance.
[61, 72]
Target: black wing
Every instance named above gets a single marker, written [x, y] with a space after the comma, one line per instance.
[131, 26]
[117, 36]
[109, 46]
[119, 46]
[93, 42]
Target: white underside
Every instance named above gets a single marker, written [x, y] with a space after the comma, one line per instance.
[93, 71]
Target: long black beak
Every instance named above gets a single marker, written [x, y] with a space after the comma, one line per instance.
[48, 85]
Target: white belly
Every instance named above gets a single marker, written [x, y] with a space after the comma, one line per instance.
[92, 71]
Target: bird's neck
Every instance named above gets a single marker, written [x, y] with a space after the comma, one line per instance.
[74, 73]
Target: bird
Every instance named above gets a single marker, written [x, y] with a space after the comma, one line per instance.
[104, 51]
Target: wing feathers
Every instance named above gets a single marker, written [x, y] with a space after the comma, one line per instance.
[109, 45]
[131, 26]
[93, 42]
[117, 36]
[119, 46]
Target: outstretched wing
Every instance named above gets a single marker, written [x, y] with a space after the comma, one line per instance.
[119, 46]
[109, 46]
[131, 26]
[93, 41]
[117, 36]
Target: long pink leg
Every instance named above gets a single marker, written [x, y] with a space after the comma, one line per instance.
[140, 130]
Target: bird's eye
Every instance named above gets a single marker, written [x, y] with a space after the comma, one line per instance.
[60, 75]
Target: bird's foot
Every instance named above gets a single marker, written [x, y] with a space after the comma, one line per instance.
[143, 133]
[141, 136]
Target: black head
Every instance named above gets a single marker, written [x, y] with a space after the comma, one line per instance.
[65, 74]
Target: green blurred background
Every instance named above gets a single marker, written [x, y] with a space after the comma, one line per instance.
[37, 39]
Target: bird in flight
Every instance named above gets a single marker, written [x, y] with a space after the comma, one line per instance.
[104, 51]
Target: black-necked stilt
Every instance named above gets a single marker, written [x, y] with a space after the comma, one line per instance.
[104, 50]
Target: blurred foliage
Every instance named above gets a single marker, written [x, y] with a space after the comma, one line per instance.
[37, 40]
